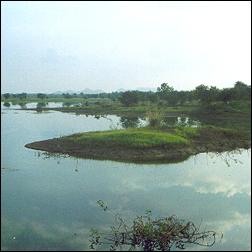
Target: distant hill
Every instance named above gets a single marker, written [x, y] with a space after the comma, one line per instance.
[91, 91]
[143, 89]
[98, 91]
[84, 91]
[146, 89]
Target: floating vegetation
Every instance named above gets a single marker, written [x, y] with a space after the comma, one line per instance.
[4, 169]
[150, 234]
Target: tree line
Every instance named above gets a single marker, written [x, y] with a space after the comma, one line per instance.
[204, 94]
[165, 95]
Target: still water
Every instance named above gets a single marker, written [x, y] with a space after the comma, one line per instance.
[50, 203]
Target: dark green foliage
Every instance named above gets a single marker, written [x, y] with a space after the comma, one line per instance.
[6, 96]
[167, 93]
[67, 96]
[22, 96]
[41, 96]
[164, 89]
[227, 94]
[204, 94]
[242, 91]
[129, 98]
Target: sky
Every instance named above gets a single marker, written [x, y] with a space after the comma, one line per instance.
[49, 46]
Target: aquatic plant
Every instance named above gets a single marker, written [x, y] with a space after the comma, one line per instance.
[154, 118]
[150, 234]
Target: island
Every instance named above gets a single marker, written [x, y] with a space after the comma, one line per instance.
[146, 145]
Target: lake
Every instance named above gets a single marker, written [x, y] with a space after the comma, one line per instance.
[49, 203]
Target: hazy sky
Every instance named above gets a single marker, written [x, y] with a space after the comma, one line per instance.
[51, 46]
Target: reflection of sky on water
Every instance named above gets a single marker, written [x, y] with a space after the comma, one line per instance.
[50, 203]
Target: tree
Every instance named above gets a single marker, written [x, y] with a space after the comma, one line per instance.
[182, 97]
[241, 91]
[129, 98]
[41, 96]
[22, 96]
[202, 93]
[67, 95]
[165, 88]
[167, 93]
[213, 93]
[7, 95]
[226, 95]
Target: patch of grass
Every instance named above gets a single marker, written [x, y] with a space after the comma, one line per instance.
[187, 132]
[144, 138]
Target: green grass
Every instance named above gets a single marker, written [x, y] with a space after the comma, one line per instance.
[152, 138]
[187, 132]
[143, 137]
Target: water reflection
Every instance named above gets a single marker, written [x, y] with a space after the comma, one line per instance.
[129, 122]
[40, 106]
[6, 104]
[173, 121]
[22, 105]
[49, 200]
[33, 235]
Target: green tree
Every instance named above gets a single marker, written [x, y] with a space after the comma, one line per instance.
[165, 88]
[202, 94]
[22, 96]
[41, 96]
[167, 93]
[213, 93]
[6, 95]
[226, 95]
[242, 91]
[129, 98]
[67, 95]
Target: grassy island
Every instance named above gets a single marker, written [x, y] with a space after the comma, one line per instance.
[145, 145]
